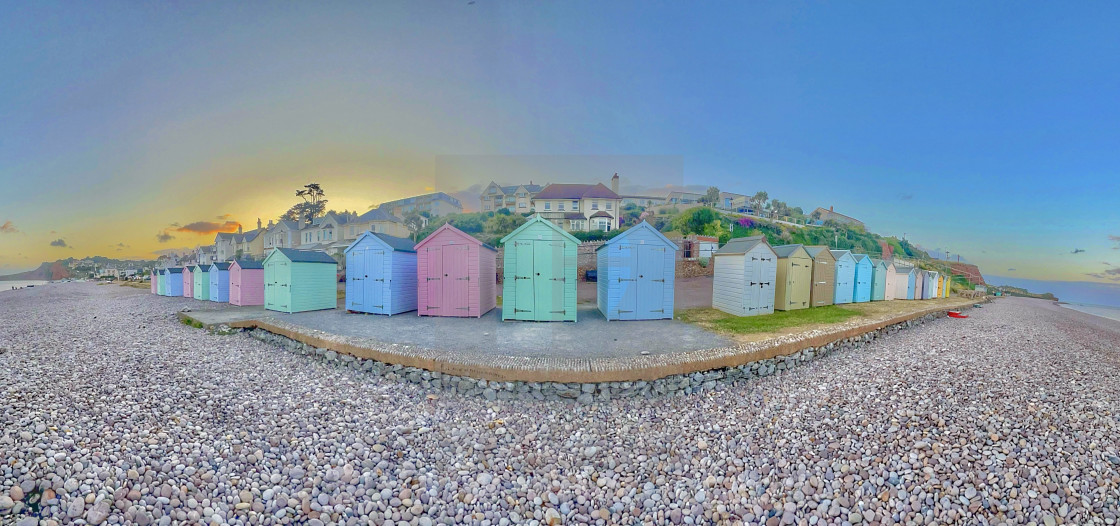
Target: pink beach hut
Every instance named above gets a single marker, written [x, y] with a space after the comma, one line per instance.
[188, 282]
[456, 275]
[155, 282]
[246, 283]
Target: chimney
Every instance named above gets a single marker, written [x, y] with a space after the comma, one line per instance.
[239, 228]
[614, 183]
[258, 223]
[269, 223]
[830, 208]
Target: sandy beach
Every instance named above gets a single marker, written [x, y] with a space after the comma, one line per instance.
[115, 413]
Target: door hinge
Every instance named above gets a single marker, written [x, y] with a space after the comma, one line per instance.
[658, 310]
[462, 308]
[558, 279]
[557, 312]
[620, 280]
[522, 277]
[516, 310]
[379, 306]
[468, 278]
[432, 279]
[659, 280]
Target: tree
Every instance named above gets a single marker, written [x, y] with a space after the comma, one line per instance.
[502, 224]
[758, 199]
[313, 204]
[413, 221]
[694, 220]
[711, 198]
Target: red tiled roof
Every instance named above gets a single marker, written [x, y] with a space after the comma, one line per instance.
[576, 191]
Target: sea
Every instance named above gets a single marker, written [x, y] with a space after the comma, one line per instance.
[6, 286]
[1104, 311]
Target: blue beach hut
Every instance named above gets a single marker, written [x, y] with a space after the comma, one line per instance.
[219, 282]
[381, 274]
[862, 292]
[175, 281]
[635, 275]
[845, 276]
[878, 280]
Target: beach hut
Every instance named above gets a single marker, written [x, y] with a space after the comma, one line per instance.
[931, 285]
[878, 279]
[161, 282]
[539, 273]
[863, 275]
[824, 276]
[746, 271]
[919, 284]
[948, 287]
[889, 292]
[246, 283]
[155, 282]
[188, 282]
[201, 282]
[463, 272]
[845, 276]
[380, 274]
[219, 281]
[299, 280]
[175, 281]
[794, 278]
[904, 282]
[636, 271]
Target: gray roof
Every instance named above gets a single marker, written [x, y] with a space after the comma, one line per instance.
[222, 265]
[903, 269]
[742, 245]
[396, 243]
[784, 251]
[250, 235]
[815, 250]
[249, 264]
[860, 257]
[377, 214]
[306, 256]
[175, 270]
[840, 253]
[531, 188]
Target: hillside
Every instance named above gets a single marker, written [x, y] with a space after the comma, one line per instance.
[46, 272]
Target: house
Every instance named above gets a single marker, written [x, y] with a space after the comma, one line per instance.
[175, 281]
[832, 215]
[219, 281]
[904, 282]
[889, 293]
[878, 279]
[201, 282]
[381, 274]
[516, 198]
[579, 207]
[824, 276]
[225, 245]
[745, 273]
[299, 280]
[699, 247]
[731, 201]
[683, 198]
[327, 232]
[636, 272]
[863, 275]
[205, 255]
[845, 276]
[188, 282]
[377, 221]
[540, 272]
[456, 274]
[246, 283]
[281, 234]
[435, 205]
[794, 278]
[644, 201]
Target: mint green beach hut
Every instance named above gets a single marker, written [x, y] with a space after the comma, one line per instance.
[161, 282]
[299, 281]
[539, 273]
[201, 282]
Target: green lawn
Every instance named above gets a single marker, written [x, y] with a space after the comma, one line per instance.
[723, 322]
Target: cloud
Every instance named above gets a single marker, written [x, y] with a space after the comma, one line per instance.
[1112, 274]
[1078, 251]
[164, 237]
[59, 243]
[53, 232]
[224, 217]
[1115, 239]
[122, 245]
[8, 228]
[1011, 270]
[1107, 264]
[209, 227]
[906, 197]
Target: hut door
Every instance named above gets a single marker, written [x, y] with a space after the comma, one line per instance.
[524, 287]
[283, 285]
[355, 279]
[456, 280]
[651, 281]
[548, 280]
[803, 273]
[374, 280]
[434, 282]
[627, 278]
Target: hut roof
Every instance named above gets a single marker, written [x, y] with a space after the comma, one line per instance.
[840, 253]
[784, 251]
[221, 265]
[640, 226]
[742, 245]
[397, 243]
[249, 264]
[305, 256]
[538, 219]
[175, 270]
[860, 257]
[815, 250]
[460, 233]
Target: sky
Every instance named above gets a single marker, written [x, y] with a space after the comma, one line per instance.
[989, 130]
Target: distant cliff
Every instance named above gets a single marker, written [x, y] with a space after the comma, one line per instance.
[45, 272]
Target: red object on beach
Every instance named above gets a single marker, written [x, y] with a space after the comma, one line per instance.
[955, 314]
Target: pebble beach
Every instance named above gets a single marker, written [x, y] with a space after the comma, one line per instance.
[114, 412]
